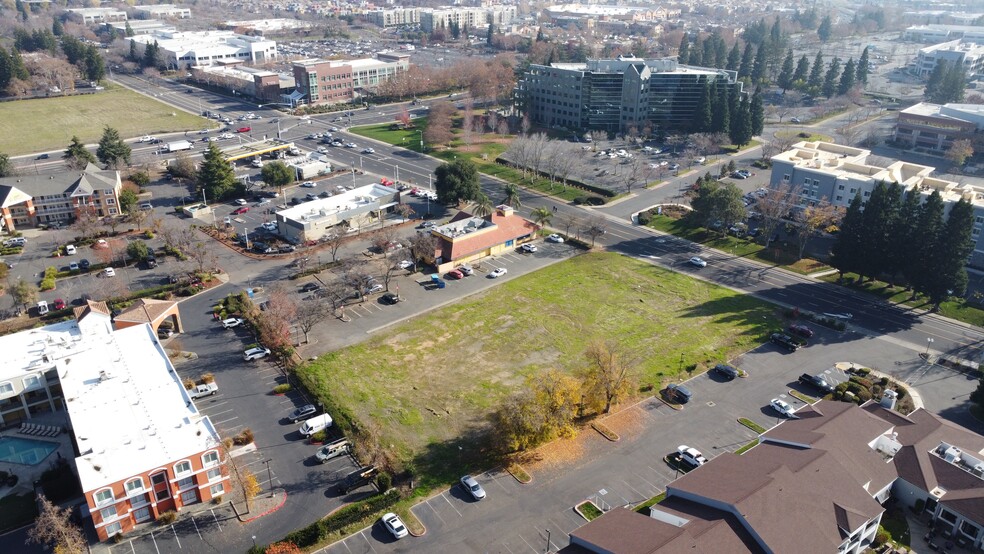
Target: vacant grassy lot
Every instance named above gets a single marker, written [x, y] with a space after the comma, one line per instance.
[28, 126]
[428, 385]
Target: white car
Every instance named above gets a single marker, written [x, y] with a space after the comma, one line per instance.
[395, 525]
[465, 270]
[232, 322]
[256, 162]
[203, 132]
[405, 264]
[307, 185]
[473, 488]
[700, 160]
[368, 151]
[226, 136]
[146, 138]
[698, 261]
[374, 288]
[256, 353]
[497, 272]
[691, 456]
[555, 238]
[528, 248]
[109, 272]
[241, 202]
[782, 407]
[351, 145]
[269, 225]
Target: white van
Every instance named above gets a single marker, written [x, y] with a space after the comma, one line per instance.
[315, 424]
[42, 307]
[70, 250]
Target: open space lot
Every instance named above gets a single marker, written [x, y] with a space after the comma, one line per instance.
[431, 382]
[53, 121]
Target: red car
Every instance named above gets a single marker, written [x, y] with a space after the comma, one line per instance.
[455, 274]
[801, 330]
[240, 210]
[244, 129]
[59, 304]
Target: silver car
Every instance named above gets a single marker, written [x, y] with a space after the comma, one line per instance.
[473, 488]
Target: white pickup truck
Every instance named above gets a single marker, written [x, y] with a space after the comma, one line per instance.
[208, 389]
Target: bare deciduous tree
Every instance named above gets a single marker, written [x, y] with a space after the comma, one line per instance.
[594, 228]
[309, 314]
[54, 528]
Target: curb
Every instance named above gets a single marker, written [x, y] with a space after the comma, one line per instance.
[266, 513]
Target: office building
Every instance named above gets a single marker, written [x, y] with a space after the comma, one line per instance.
[334, 81]
[934, 127]
[91, 16]
[615, 95]
[969, 55]
[818, 171]
[33, 200]
[163, 11]
[185, 49]
[941, 33]
[347, 211]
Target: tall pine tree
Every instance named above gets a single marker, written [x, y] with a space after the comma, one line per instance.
[815, 81]
[802, 70]
[720, 112]
[905, 234]
[757, 113]
[877, 221]
[759, 65]
[112, 151]
[683, 53]
[734, 58]
[935, 82]
[954, 244]
[832, 77]
[826, 29]
[215, 175]
[862, 69]
[928, 227]
[741, 125]
[747, 59]
[846, 252]
[785, 80]
[703, 116]
[847, 78]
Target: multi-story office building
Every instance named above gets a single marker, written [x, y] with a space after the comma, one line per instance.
[614, 95]
[969, 55]
[471, 18]
[334, 81]
[935, 127]
[941, 33]
[89, 16]
[818, 171]
[188, 49]
[394, 17]
[32, 200]
[155, 11]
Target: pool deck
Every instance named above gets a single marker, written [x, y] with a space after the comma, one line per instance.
[28, 474]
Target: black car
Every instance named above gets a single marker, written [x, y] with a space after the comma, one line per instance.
[390, 298]
[726, 371]
[151, 261]
[310, 287]
[801, 330]
[784, 341]
[42, 157]
[816, 381]
[678, 393]
[84, 264]
[260, 247]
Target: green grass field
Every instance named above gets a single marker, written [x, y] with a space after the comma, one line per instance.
[428, 385]
[38, 125]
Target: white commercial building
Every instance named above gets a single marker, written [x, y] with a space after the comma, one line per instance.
[942, 33]
[474, 20]
[345, 212]
[142, 27]
[164, 11]
[187, 49]
[394, 17]
[268, 25]
[89, 16]
[970, 55]
[369, 72]
[602, 12]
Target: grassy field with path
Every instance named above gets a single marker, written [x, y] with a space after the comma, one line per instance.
[42, 124]
[428, 385]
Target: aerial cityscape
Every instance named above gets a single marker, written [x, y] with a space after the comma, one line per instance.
[510, 277]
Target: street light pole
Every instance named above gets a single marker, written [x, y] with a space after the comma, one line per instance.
[929, 342]
[269, 475]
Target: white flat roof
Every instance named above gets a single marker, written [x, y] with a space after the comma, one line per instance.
[343, 201]
[128, 408]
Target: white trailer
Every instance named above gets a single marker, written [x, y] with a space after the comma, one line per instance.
[179, 145]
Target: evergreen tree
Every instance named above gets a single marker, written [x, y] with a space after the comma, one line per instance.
[877, 221]
[935, 81]
[152, 56]
[741, 126]
[757, 113]
[954, 244]
[734, 58]
[785, 80]
[747, 59]
[112, 151]
[703, 118]
[683, 53]
[759, 65]
[6, 167]
[128, 30]
[17, 67]
[720, 112]
[696, 54]
[905, 236]
[847, 77]
[21, 9]
[862, 68]
[928, 227]
[720, 51]
[215, 175]
[832, 77]
[815, 81]
[846, 252]
[77, 155]
[953, 85]
[802, 70]
[6, 72]
[133, 52]
[56, 27]
[489, 34]
[826, 29]
[95, 67]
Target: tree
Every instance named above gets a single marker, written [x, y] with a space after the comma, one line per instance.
[959, 151]
[112, 151]
[481, 205]
[953, 86]
[740, 132]
[490, 34]
[54, 528]
[511, 197]
[215, 175]
[935, 81]
[785, 79]
[541, 216]
[703, 115]
[438, 129]
[831, 78]
[773, 207]
[953, 245]
[77, 155]
[815, 81]
[756, 113]
[152, 56]
[846, 252]
[862, 68]
[24, 293]
[127, 199]
[6, 166]
[747, 59]
[594, 228]
[683, 52]
[929, 223]
[456, 181]
[811, 219]
[608, 375]
[720, 111]
[847, 78]
[903, 232]
[309, 314]
[423, 247]
[759, 66]
[137, 250]
[544, 410]
[277, 174]
[734, 58]
[825, 30]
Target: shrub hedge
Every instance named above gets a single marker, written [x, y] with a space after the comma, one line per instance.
[353, 513]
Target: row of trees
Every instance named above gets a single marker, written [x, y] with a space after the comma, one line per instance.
[946, 83]
[823, 79]
[897, 234]
[721, 109]
[112, 151]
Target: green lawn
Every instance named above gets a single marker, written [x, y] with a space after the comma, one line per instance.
[28, 126]
[428, 385]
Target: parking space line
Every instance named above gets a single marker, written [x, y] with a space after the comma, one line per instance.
[554, 523]
[450, 504]
[646, 481]
[216, 518]
[433, 509]
[175, 531]
[212, 415]
[507, 547]
[195, 523]
[153, 538]
[528, 544]
[637, 491]
[363, 535]
[345, 544]
[222, 422]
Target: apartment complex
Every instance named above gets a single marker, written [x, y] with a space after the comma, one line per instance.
[185, 49]
[470, 19]
[969, 55]
[614, 95]
[394, 17]
[935, 127]
[817, 483]
[32, 200]
[334, 81]
[816, 171]
[143, 448]
[166, 11]
[560, 13]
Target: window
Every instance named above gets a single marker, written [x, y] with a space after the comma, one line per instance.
[108, 513]
[210, 458]
[142, 514]
[113, 528]
[32, 382]
[816, 183]
[6, 388]
[107, 192]
[134, 486]
[840, 187]
[189, 497]
[110, 201]
[214, 473]
[785, 178]
[839, 197]
[216, 490]
[104, 497]
[182, 467]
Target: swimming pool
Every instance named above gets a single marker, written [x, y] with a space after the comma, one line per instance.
[29, 452]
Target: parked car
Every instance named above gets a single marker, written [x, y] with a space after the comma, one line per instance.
[816, 381]
[555, 238]
[454, 274]
[240, 210]
[739, 176]
[530, 248]
[84, 264]
[256, 353]
[466, 270]
[73, 266]
[109, 272]
[471, 485]
[795, 120]
[679, 393]
[395, 525]
[374, 288]
[801, 330]
[497, 272]
[241, 202]
[232, 322]
[58, 304]
[691, 456]
[698, 261]
[784, 341]
[307, 184]
[304, 412]
[405, 264]
[726, 371]
[782, 407]
[310, 287]
[390, 298]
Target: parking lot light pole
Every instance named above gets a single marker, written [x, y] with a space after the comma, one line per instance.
[929, 342]
[269, 475]
[548, 541]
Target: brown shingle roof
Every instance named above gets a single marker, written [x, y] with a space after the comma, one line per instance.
[623, 531]
[90, 307]
[145, 310]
